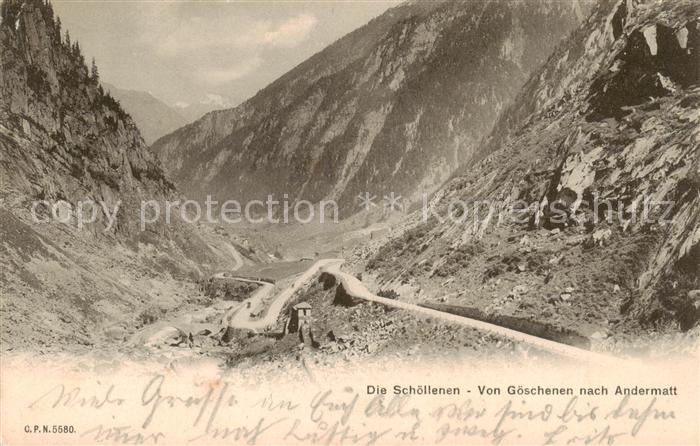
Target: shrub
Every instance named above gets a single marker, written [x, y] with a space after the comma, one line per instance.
[36, 79]
[410, 242]
[459, 258]
[149, 316]
[389, 294]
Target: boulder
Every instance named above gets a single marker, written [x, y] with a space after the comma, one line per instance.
[694, 297]
[167, 336]
[116, 333]
[601, 237]
[519, 290]
[600, 335]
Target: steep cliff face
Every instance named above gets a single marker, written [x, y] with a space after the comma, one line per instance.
[63, 141]
[391, 107]
[603, 142]
[63, 136]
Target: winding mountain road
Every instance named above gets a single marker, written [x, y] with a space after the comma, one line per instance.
[356, 289]
[240, 317]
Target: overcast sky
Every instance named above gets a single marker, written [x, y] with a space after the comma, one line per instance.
[188, 51]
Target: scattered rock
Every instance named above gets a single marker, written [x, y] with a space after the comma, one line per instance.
[116, 333]
[616, 288]
[555, 231]
[519, 290]
[600, 335]
[694, 296]
[548, 276]
[167, 336]
[600, 237]
[26, 127]
[203, 317]
[556, 259]
[565, 296]
[573, 241]
[447, 282]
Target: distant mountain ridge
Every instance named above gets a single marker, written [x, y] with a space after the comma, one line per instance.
[393, 107]
[154, 117]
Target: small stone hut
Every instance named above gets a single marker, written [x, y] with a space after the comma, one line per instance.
[299, 317]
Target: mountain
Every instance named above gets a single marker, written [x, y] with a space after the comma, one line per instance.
[195, 110]
[69, 269]
[587, 190]
[394, 106]
[153, 117]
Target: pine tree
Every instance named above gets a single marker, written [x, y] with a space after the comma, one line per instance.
[48, 12]
[68, 44]
[94, 72]
[57, 29]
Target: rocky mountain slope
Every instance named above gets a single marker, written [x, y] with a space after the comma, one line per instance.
[63, 141]
[153, 117]
[391, 107]
[589, 188]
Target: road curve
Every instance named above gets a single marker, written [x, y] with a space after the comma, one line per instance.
[356, 289]
[241, 318]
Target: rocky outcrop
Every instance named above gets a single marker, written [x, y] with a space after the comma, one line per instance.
[63, 136]
[655, 60]
[392, 107]
[603, 143]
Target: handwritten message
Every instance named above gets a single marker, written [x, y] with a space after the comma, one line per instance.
[160, 409]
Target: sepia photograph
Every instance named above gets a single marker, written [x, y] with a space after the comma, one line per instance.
[350, 222]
